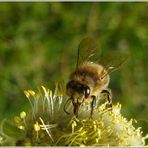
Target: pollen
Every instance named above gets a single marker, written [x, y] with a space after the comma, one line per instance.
[37, 126]
[17, 119]
[1, 139]
[29, 93]
[23, 115]
[21, 127]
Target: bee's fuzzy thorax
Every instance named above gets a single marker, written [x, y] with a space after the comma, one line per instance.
[90, 74]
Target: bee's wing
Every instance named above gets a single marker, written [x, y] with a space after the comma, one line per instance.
[113, 60]
[87, 51]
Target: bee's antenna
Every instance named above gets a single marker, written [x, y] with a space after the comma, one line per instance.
[65, 106]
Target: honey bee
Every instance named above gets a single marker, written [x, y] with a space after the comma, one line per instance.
[91, 77]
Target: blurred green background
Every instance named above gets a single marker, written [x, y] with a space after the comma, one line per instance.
[39, 42]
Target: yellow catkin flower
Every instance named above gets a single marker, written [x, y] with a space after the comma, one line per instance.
[17, 119]
[23, 115]
[105, 128]
[26, 93]
[37, 126]
[21, 127]
[29, 93]
[50, 93]
[1, 139]
[46, 90]
[74, 124]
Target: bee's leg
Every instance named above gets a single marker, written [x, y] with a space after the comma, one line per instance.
[108, 95]
[93, 104]
[76, 108]
[65, 106]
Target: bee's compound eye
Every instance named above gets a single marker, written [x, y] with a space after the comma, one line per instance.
[86, 91]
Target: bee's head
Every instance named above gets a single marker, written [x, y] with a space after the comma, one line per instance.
[73, 87]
